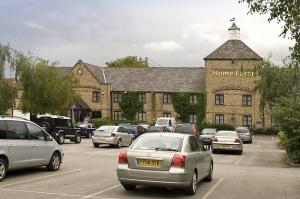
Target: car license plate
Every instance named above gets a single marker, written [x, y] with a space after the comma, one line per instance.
[150, 163]
[225, 146]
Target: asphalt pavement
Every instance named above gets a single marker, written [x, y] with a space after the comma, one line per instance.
[88, 172]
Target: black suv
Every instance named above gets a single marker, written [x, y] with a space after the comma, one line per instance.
[59, 127]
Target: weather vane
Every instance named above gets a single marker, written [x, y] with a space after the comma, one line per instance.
[232, 20]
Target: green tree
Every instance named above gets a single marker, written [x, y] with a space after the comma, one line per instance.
[7, 95]
[286, 12]
[129, 61]
[130, 105]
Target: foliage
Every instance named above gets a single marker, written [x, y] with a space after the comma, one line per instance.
[293, 149]
[183, 106]
[7, 95]
[285, 12]
[264, 131]
[218, 126]
[101, 122]
[282, 138]
[130, 105]
[129, 61]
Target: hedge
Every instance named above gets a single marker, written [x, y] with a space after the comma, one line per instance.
[292, 147]
[264, 131]
[217, 126]
[103, 121]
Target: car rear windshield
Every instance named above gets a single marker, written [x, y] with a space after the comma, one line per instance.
[154, 129]
[184, 129]
[105, 129]
[158, 142]
[208, 131]
[162, 122]
[226, 133]
[242, 130]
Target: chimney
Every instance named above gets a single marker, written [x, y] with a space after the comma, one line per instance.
[234, 31]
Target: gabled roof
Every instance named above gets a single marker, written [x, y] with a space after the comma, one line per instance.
[96, 71]
[233, 49]
[63, 71]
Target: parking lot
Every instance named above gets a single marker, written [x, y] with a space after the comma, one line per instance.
[88, 172]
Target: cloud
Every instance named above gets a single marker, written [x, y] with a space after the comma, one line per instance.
[163, 46]
[34, 25]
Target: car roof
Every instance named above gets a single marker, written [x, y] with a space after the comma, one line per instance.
[181, 135]
[53, 116]
[14, 118]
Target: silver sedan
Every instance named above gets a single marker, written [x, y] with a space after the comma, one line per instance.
[227, 141]
[166, 160]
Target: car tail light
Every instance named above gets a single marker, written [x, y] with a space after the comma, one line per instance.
[123, 157]
[215, 139]
[237, 140]
[178, 160]
[113, 135]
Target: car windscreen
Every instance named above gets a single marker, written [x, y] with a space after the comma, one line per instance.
[162, 122]
[226, 133]
[208, 131]
[242, 130]
[106, 129]
[154, 129]
[158, 142]
[183, 129]
[134, 128]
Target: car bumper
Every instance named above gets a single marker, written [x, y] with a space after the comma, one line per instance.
[104, 140]
[175, 177]
[227, 147]
[246, 139]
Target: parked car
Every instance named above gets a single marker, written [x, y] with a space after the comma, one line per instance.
[135, 130]
[245, 134]
[207, 134]
[158, 129]
[59, 127]
[86, 129]
[113, 135]
[146, 126]
[24, 144]
[169, 122]
[165, 160]
[187, 128]
[227, 141]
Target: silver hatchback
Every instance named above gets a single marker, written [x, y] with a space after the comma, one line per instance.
[24, 144]
[166, 160]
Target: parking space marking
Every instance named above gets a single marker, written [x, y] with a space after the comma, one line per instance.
[38, 178]
[52, 193]
[212, 189]
[102, 191]
[239, 160]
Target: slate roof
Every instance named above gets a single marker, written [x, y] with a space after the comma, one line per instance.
[233, 49]
[63, 71]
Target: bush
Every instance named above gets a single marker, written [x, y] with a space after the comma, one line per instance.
[101, 121]
[283, 139]
[293, 149]
[217, 126]
[264, 131]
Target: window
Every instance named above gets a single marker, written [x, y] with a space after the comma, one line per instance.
[193, 99]
[167, 114]
[36, 133]
[142, 97]
[247, 120]
[200, 145]
[167, 98]
[117, 97]
[96, 96]
[96, 114]
[142, 117]
[219, 119]
[117, 115]
[247, 100]
[219, 99]
[194, 145]
[16, 130]
[2, 130]
[193, 119]
[122, 130]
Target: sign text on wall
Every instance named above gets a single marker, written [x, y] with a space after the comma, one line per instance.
[235, 73]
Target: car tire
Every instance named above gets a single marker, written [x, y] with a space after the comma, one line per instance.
[191, 189]
[61, 138]
[208, 178]
[214, 151]
[54, 162]
[3, 169]
[77, 139]
[240, 152]
[119, 143]
[96, 145]
[129, 187]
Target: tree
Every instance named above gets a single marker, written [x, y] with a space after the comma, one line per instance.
[5, 57]
[286, 12]
[130, 105]
[129, 61]
[7, 95]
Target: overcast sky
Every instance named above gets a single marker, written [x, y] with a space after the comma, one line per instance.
[169, 32]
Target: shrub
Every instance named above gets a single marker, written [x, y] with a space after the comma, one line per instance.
[217, 126]
[283, 139]
[101, 121]
[264, 131]
[293, 149]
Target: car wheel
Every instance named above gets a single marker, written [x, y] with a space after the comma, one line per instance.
[214, 151]
[129, 187]
[3, 169]
[191, 189]
[55, 162]
[61, 138]
[240, 152]
[77, 138]
[119, 143]
[208, 178]
[96, 145]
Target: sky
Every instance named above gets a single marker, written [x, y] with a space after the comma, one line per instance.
[178, 33]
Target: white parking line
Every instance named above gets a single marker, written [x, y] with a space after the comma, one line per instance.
[239, 160]
[212, 189]
[33, 179]
[51, 193]
[102, 191]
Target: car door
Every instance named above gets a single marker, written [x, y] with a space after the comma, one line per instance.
[206, 155]
[19, 145]
[41, 149]
[198, 157]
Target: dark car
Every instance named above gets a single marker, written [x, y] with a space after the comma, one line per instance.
[59, 127]
[86, 129]
[135, 130]
[245, 134]
[158, 129]
[207, 135]
[187, 128]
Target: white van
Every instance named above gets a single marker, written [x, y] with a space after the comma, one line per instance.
[169, 122]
